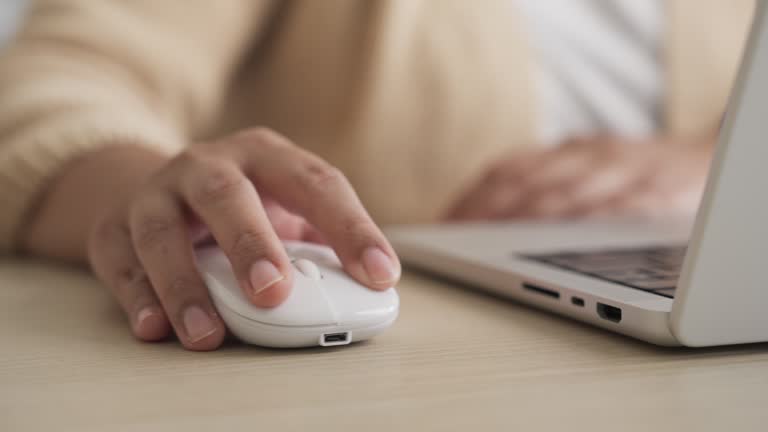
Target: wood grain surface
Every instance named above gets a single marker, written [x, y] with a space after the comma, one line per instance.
[456, 360]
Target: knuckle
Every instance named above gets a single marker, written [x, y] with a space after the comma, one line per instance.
[318, 176]
[129, 284]
[103, 232]
[132, 285]
[249, 244]
[152, 229]
[192, 159]
[216, 182]
[258, 137]
[357, 228]
[131, 278]
[498, 176]
[610, 151]
[179, 289]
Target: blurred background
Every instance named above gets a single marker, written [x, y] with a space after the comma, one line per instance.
[10, 13]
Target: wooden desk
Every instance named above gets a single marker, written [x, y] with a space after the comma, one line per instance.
[456, 360]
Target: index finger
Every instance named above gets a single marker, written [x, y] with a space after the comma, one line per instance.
[307, 185]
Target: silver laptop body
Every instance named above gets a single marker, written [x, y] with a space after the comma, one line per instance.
[666, 284]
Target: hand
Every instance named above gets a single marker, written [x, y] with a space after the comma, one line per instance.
[589, 177]
[246, 190]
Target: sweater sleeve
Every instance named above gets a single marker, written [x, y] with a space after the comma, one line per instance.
[82, 74]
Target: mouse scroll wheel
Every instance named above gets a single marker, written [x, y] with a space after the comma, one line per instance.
[308, 268]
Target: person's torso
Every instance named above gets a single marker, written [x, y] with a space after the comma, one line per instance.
[412, 99]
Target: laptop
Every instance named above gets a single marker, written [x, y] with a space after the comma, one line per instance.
[700, 284]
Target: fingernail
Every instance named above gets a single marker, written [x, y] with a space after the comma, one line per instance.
[264, 274]
[143, 315]
[379, 266]
[197, 324]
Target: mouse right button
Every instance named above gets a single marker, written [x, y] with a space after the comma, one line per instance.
[355, 304]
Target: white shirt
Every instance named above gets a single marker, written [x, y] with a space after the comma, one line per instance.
[599, 66]
[10, 14]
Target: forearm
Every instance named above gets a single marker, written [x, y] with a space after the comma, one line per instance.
[59, 223]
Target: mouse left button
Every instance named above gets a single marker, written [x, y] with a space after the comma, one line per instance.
[308, 268]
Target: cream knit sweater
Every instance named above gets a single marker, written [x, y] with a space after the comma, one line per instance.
[412, 96]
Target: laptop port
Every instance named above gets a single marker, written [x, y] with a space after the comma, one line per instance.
[608, 312]
[333, 339]
[543, 291]
[577, 301]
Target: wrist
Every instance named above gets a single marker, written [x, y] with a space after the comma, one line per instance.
[79, 194]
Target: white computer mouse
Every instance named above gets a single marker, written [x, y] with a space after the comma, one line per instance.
[326, 307]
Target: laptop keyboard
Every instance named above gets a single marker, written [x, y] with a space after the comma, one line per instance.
[654, 270]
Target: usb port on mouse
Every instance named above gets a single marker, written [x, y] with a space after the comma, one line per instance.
[333, 339]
